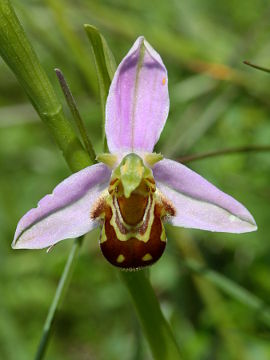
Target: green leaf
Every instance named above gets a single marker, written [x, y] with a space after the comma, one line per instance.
[19, 55]
[105, 65]
[76, 114]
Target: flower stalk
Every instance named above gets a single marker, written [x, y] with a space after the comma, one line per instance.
[158, 332]
[58, 297]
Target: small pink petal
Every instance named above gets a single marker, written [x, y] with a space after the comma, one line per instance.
[198, 203]
[65, 213]
[138, 101]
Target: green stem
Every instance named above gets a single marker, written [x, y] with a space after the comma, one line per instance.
[19, 55]
[231, 151]
[156, 328]
[76, 115]
[257, 66]
[58, 297]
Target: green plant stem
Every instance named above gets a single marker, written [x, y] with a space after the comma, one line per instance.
[76, 115]
[156, 328]
[256, 66]
[58, 297]
[231, 151]
[19, 55]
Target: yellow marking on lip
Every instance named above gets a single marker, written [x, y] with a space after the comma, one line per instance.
[132, 233]
[164, 81]
[147, 257]
[103, 236]
[163, 236]
[120, 258]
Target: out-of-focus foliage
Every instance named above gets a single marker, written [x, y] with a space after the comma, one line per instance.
[216, 102]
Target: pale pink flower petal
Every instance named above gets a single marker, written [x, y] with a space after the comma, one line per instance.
[138, 102]
[198, 203]
[65, 213]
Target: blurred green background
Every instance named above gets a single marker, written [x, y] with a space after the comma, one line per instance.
[216, 102]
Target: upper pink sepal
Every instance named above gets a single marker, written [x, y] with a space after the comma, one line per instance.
[198, 203]
[138, 101]
[65, 213]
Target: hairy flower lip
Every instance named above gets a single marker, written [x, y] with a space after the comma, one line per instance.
[136, 112]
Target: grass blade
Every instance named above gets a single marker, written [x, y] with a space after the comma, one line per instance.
[76, 115]
[105, 67]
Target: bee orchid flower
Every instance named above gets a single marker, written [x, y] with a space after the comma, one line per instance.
[132, 191]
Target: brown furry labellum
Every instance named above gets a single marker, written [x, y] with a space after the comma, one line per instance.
[133, 234]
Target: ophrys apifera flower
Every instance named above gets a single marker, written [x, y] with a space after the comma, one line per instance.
[132, 191]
